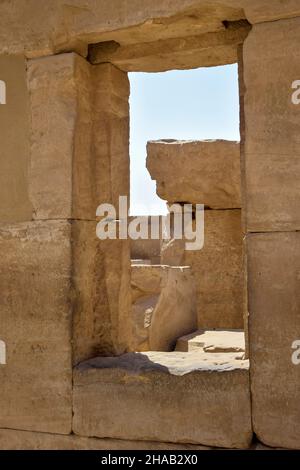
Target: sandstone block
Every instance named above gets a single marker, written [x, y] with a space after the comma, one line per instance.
[15, 133]
[36, 312]
[164, 306]
[61, 168]
[274, 320]
[53, 27]
[203, 172]
[149, 396]
[174, 53]
[63, 300]
[80, 136]
[101, 294]
[271, 150]
[147, 249]
[213, 341]
[110, 133]
[217, 269]
[26, 440]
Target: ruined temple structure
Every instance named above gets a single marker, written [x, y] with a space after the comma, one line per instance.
[109, 344]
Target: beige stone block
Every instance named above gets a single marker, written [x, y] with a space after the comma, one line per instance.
[61, 176]
[147, 249]
[102, 297]
[213, 341]
[274, 320]
[26, 440]
[35, 318]
[55, 26]
[102, 323]
[199, 172]
[63, 300]
[271, 148]
[149, 396]
[219, 272]
[175, 313]
[164, 306]
[14, 149]
[217, 269]
[80, 136]
[110, 133]
[208, 49]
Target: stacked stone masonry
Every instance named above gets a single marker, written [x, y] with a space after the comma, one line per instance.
[66, 297]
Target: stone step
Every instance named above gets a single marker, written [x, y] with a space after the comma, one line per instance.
[213, 341]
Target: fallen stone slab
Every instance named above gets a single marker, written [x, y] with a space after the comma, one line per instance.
[213, 341]
[172, 397]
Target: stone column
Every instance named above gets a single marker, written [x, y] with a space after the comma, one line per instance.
[63, 292]
[271, 166]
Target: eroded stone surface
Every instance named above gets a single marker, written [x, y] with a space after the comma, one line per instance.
[149, 395]
[271, 150]
[55, 26]
[199, 172]
[217, 269]
[274, 304]
[15, 204]
[164, 306]
[213, 341]
[25, 440]
[189, 52]
[36, 313]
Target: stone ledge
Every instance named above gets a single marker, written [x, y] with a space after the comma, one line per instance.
[164, 397]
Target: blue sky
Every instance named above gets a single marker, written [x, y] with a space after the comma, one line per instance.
[186, 104]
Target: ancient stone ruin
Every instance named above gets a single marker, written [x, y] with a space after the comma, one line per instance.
[112, 344]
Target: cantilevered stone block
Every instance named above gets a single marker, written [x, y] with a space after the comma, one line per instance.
[203, 172]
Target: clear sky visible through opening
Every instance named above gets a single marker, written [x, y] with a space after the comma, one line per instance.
[185, 105]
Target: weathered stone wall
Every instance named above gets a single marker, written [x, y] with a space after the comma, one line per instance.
[50, 182]
[65, 295]
[271, 174]
[206, 172]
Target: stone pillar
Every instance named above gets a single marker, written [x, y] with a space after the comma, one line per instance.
[62, 290]
[271, 166]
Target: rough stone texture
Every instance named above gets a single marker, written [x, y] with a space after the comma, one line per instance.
[148, 396]
[14, 149]
[26, 440]
[102, 300]
[61, 302]
[146, 249]
[36, 313]
[213, 341]
[274, 320]
[217, 269]
[271, 148]
[56, 26]
[207, 50]
[79, 159]
[117, 321]
[61, 173]
[79, 145]
[199, 172]
[164, 306]
[110, 133]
